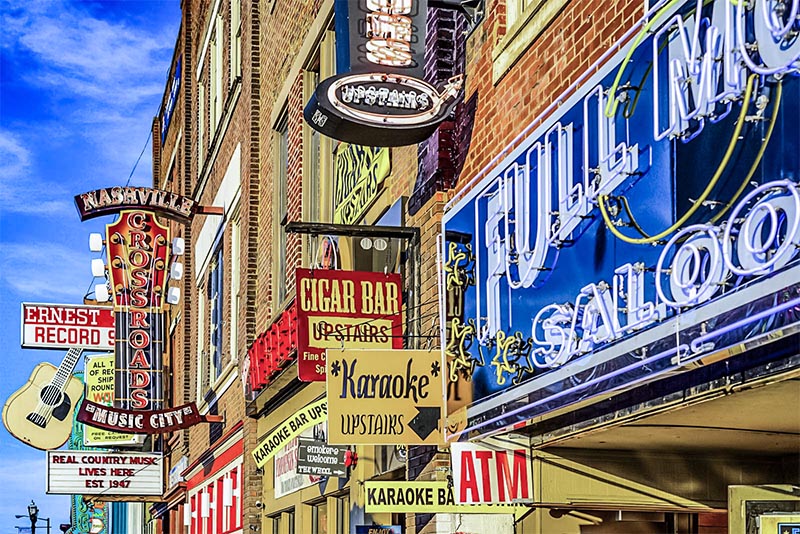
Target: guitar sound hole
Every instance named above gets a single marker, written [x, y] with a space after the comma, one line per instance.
[51, 396]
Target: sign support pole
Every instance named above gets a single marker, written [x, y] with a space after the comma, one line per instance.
[411, 234]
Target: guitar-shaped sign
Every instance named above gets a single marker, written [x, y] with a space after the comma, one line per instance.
[40, 412]
[138, 252]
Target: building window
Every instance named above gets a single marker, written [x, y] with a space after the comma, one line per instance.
[343, 515]
[201, 115]
[525, 21]
[215, 83]
[236, 39]
[202, 383]
[281, 208]
[215, 301]
[319, 518]
[236, 297]
[517, 9]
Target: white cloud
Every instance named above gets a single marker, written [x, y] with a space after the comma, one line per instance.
[89, 58]
[49, 270]
[100, 80]
[20, 191]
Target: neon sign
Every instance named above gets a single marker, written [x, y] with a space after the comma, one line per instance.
[616, 213]
[379, 97]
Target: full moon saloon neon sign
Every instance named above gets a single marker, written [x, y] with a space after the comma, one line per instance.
[559, 271]
[379, 98]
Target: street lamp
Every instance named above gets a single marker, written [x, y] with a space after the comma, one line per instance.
[33, 515]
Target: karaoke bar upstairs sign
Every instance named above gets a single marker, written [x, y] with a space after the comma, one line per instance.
[379, 97]
[345, 310]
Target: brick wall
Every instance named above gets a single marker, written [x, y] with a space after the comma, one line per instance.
[577, 37]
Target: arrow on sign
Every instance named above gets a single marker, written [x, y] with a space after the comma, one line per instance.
[426, 421]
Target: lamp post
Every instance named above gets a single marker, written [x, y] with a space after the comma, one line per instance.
[33, 515]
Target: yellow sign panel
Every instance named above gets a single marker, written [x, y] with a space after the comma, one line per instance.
[314, 413]
[385, 397]
[360, 171]
[333, 332]
[99, 378]
[431, 497]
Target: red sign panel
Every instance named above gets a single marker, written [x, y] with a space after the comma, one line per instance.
[138, 250]
[65, 326]
[345, 309]
[138, 422]
[274, 349]
[492, 472]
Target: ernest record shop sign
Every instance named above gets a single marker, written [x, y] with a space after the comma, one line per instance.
[345, 310]
[65, 326]
[496, 471]
[384, 397]
[104, 473]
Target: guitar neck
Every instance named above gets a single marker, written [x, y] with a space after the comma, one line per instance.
[65, 369]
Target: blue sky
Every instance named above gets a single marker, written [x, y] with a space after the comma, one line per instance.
[80, 83]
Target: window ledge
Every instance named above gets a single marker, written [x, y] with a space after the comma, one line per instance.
[522, 35]
[220, 386]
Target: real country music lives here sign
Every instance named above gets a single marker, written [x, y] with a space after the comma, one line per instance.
[312, 414]
[101, 472]
[379, 96]
[65, 326]
[345, 310]
[385, 397]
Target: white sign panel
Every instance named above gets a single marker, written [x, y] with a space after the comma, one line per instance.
[287, 480]
[64, 326]
[498, 470]
[104, 473]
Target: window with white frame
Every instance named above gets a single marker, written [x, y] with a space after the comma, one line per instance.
[516, 10]
[525, 22]
[216, 284]
[281, 204]
[217, 73]
[201, 128]
[236, 39]
[216, 505]
[235, 285]
[202, 380]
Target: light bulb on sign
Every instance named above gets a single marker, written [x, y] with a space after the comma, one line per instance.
[176, 271]
[174, 295]
[98, 268]
[101, 293]
[178, 246]
[95, 242]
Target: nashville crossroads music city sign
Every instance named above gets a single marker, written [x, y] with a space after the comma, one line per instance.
[572, 251]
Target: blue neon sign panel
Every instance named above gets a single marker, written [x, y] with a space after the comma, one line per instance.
[666, 182]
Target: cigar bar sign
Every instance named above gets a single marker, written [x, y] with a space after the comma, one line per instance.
[379, 97]
[104, 473]
[345, 310]
[64, 326]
